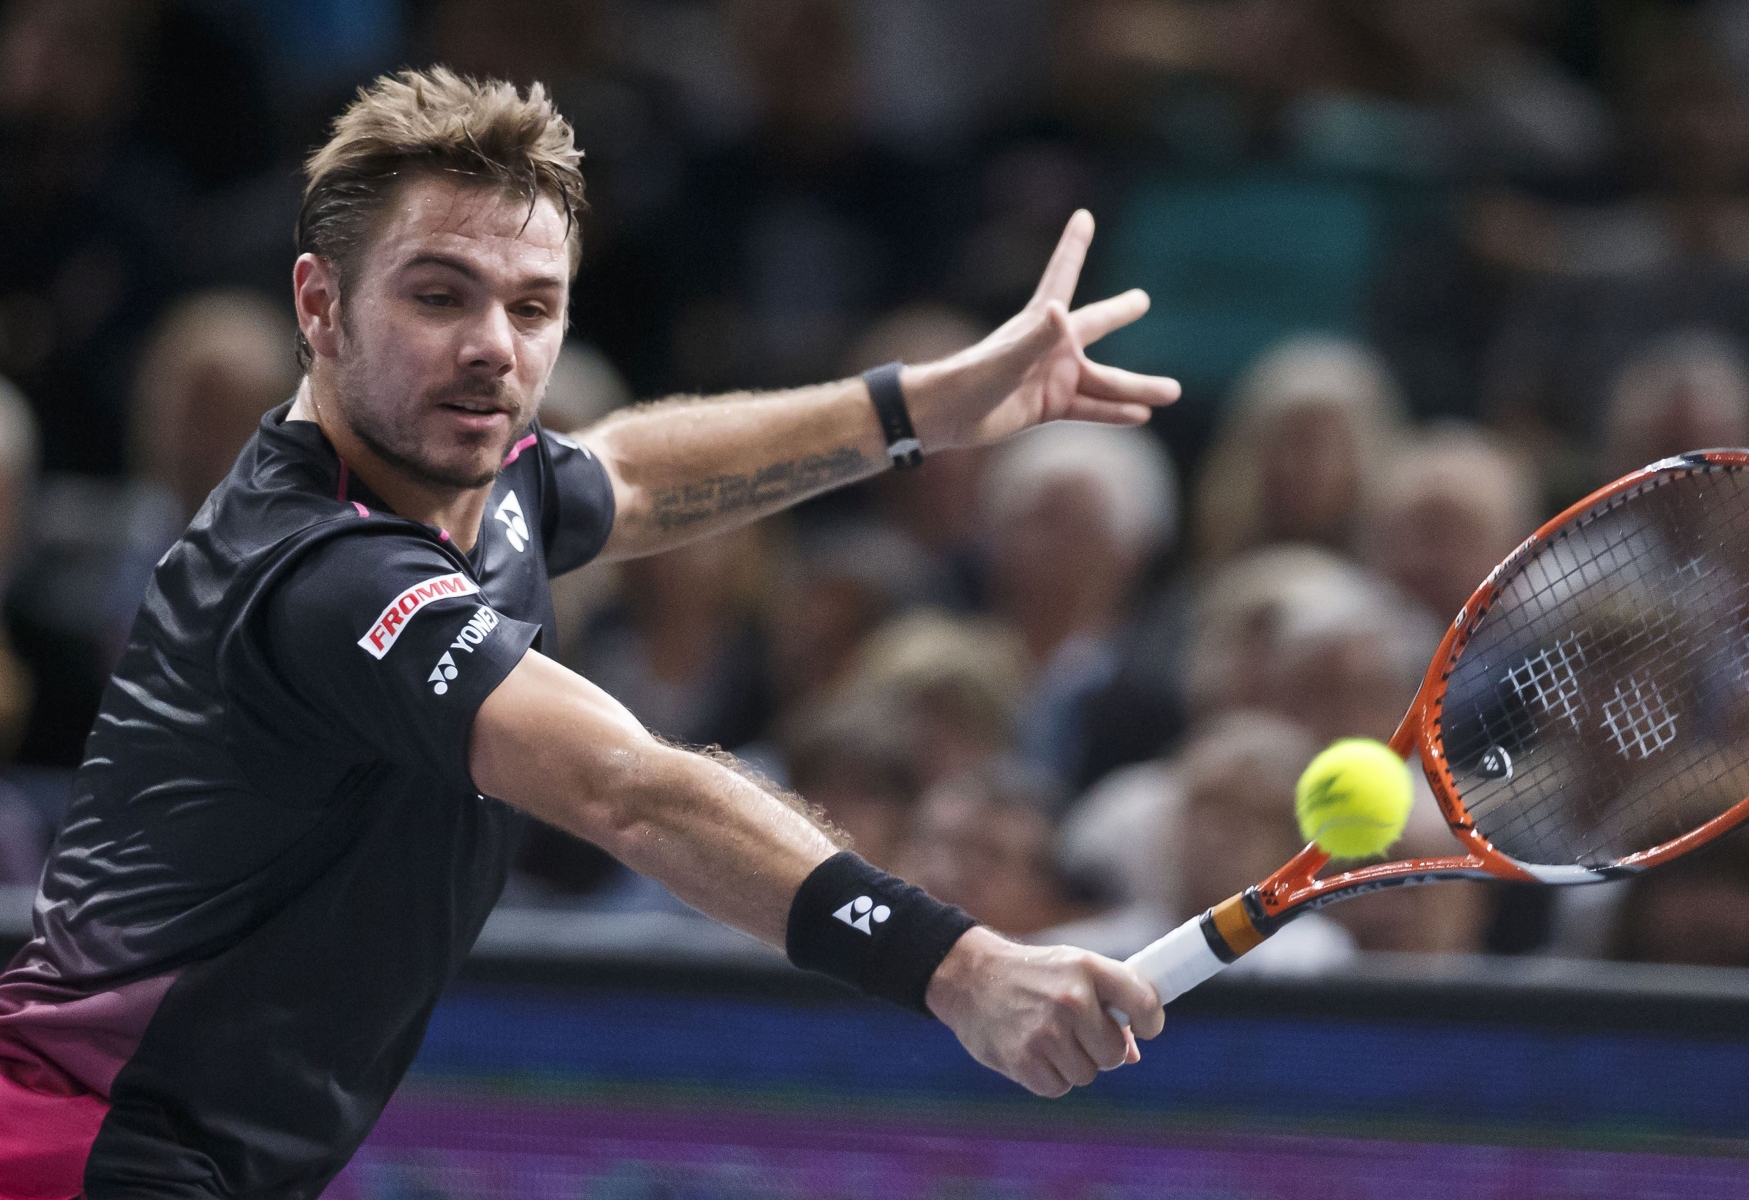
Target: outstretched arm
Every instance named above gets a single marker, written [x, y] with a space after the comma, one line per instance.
[553, 744]
[685, 468]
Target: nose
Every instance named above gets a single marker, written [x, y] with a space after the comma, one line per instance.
[490, 342]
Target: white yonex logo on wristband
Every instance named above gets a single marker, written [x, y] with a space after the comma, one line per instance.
[856, 914]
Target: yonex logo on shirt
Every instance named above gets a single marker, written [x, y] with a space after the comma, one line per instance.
[515, 528]
[394, 618]
[857, 914]
[483, 622]
[442, 673]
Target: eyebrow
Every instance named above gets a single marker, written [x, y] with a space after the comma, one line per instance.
[467, 270]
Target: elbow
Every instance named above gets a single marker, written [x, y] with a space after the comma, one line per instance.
[622, 798]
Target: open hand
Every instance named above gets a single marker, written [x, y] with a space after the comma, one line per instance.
[1040, 1014]
[1034, 368]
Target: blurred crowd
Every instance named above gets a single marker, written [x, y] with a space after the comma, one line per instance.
[1428, 269]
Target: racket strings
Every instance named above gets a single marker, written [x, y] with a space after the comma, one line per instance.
[1601, 703]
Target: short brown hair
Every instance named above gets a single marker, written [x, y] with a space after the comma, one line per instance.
[433, 120]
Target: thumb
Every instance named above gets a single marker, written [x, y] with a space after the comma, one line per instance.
[1123, 988]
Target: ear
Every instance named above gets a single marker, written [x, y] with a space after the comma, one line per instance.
[316, 296]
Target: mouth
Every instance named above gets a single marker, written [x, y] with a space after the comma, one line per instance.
[476, 415]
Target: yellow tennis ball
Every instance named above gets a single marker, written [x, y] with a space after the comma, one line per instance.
[1354, 798]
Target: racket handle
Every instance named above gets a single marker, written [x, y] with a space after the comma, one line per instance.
[1175, 964]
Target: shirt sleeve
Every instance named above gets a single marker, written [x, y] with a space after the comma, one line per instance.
[387, 639]
[578, 513]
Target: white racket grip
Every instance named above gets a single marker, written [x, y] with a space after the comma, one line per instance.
[1177, 962]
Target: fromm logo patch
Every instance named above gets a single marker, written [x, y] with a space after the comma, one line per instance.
[388, 627]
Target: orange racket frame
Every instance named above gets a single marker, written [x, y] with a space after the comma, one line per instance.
[1204, 944]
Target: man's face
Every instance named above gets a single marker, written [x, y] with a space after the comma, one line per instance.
[450, 328]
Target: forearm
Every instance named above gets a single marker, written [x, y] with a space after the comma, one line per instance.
[718, 841]
[683, 469]
[556, 746]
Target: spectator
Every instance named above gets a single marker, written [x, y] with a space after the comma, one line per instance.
[986, 840]
[1239, 611]
[853, 760]
[1687, 390]
[683, 648]
[838, 582]
[1237, 826]
[214, 364]
[1349, 665]
[1306, 424]
[1074, 514]
[952, 685]
[1443, 514]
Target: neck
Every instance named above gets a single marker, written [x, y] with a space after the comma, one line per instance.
[458, 510]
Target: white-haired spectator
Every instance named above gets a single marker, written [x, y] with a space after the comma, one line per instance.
[1687, 390]
[1073, 514]
[1348, 664]
[1304, 426]
[1299, 631]
[1444, 513]
[1236, 614]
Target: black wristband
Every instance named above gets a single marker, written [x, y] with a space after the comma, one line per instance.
[884, 937]
[889, 402]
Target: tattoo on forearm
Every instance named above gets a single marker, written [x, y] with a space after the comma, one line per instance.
[688, 504]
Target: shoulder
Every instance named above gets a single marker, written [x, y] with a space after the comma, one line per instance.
[371, 570]
[574, 491]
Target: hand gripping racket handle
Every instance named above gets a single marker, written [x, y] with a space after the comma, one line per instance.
[1176, 963]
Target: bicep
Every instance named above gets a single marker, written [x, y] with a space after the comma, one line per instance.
[555, 745]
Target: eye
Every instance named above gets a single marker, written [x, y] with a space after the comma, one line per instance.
[530, 312]
[436, 299]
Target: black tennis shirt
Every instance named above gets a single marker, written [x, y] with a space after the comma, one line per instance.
[275, 858]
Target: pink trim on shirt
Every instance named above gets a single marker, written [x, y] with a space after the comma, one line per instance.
[362, 510]
[443, 535]
[516, 450]
[340, 491]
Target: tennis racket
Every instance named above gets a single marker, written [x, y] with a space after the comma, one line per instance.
[1585, 718]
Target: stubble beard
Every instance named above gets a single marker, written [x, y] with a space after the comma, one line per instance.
[400, 448]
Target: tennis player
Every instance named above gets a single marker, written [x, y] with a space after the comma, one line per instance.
[299, 800]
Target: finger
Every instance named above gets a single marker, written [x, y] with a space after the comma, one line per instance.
[1131, 1053]
[1064, 269]
[1128, 387]
[1071, 1060]
[1088, 408]
[1093, 321]
[1122, 987]
[1041, 1078]
[1103, 1039]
